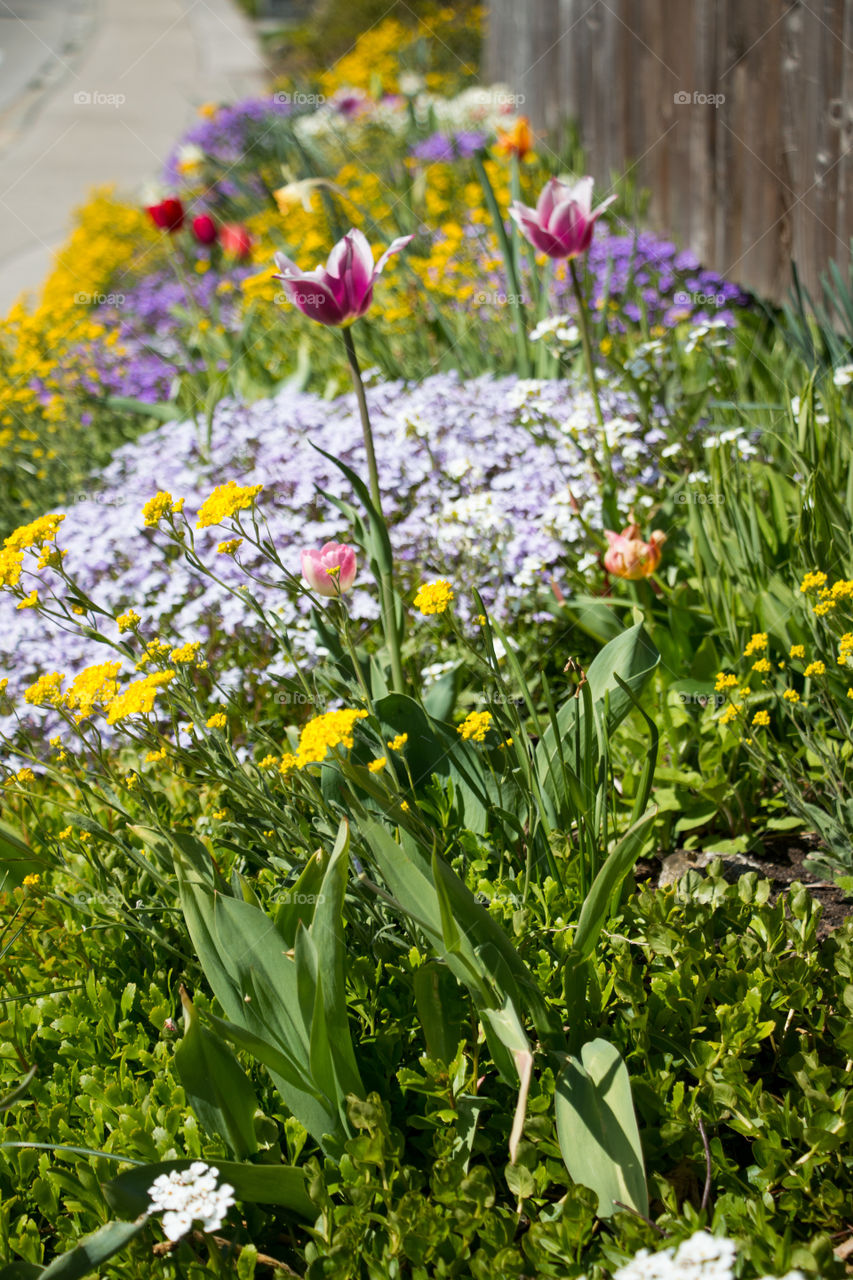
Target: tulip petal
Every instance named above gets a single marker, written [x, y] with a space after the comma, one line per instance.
[314, 298]
[394, 247]
[548, 197]
[581, 193]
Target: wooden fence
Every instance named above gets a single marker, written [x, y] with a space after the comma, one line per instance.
[737, 115]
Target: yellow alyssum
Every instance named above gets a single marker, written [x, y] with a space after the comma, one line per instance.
[138, 697]
[35, 534]
[324, 733]
[475, 726]
[225, 501]
[162, 504]
[434, 597]
[96, 686]
[46, 691]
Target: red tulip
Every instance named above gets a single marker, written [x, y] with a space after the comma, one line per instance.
[331, 570]
[563, 221]
[629, 557]
[236, 240]
[204, 229]
[341, 291]
[168, 215]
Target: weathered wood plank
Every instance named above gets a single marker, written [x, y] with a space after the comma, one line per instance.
[765, 175]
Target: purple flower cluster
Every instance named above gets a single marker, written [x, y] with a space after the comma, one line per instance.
[441, 148]
[641, 273]
[492, 489]
[234, 136]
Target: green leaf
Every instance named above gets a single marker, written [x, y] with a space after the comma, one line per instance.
[217, 1087]
[91, 1253]
[597, 1128]
[617, 865]
[21, 1271]
[633, 658]
[16, 858]
[18, 1092]
[432, 1000]
[280, 1184]
[327, 934]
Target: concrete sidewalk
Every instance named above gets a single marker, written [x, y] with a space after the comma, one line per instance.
[104, 90]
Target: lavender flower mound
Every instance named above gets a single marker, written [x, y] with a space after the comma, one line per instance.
[143, 365]
[491, 487]
[233, 138]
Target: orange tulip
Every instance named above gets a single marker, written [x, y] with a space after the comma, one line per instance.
[517, 141]
[629, 557]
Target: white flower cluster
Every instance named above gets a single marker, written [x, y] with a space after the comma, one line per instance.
[185, 1196]
[560, 334]
[702, 1257]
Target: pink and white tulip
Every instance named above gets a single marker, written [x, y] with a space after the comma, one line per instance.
[342, 291]
[331, 570]
[629, 556]
[563, 221]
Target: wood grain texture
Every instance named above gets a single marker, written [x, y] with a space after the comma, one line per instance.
[753, 163]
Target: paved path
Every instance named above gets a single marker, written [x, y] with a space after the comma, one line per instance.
[96, 91]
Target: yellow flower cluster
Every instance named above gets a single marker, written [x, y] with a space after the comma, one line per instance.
[475, 726]
[434, 597]
[324, 733]
[162, 504]
[35, 534]
[138, 697]
[50, 343]
[828, 597]
[185, 652]
[757, 644]
[126, 621]
[11, 565]
[94, 687]
[225, 501]
[46, 692]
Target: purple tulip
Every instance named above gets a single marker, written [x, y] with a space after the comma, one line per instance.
[341, 291]
[562, 223]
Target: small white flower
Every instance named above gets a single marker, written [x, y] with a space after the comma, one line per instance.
[185, 1196]
[843, 375]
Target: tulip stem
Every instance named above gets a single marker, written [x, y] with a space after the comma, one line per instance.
[608, 497]
[386, 581]
[366, 430]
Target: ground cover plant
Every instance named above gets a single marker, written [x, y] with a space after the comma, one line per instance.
[363, 628]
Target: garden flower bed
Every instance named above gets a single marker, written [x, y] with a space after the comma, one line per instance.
[369, 632]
